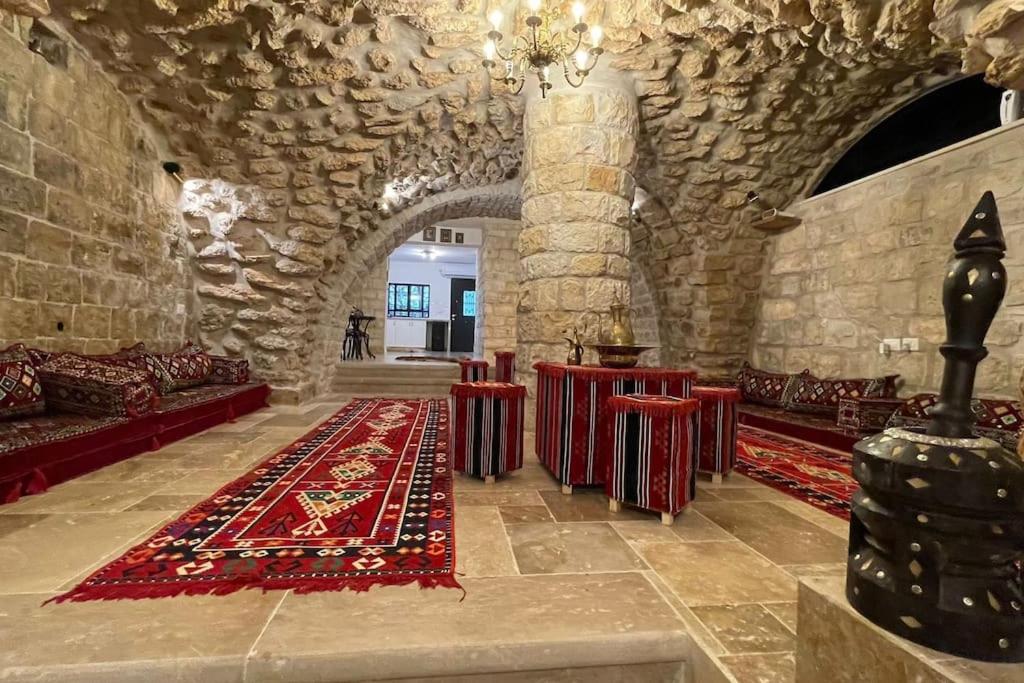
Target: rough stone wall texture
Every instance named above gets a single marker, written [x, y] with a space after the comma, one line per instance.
[646, 318]
[868, 263]
[497, 288]
[89, 232]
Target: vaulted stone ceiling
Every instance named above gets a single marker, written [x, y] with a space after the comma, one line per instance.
[322, 106]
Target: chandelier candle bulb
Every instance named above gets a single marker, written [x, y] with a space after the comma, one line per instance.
[596, 33]
[581, 60]
[495, 18]
[577, 12]
[489, 50]
[533, 5]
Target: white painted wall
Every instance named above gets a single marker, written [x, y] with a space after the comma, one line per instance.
[406, 333]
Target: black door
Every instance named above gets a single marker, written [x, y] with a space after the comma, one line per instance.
[463, 314]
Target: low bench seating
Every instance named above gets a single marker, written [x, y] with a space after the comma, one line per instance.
[837, 413]
[44, 446]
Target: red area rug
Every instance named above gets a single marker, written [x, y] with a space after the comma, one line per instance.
[817, 476]
[365, 499]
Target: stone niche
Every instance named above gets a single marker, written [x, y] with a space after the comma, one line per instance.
[93, 253]
[867, 264]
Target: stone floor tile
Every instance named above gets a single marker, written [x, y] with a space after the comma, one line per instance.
[812, 514]
[141, 468]
[394, 632]
[10, 524]
[718, 573]
[524, 514]
[495, 495]
[531, 477]
[766, 668]
[481, 546]
[776, 533]
[154, 635]
[694, 626]
[739, 495]
[812, 570]
[167, 502]
[78, 496]
[784, 612]
[588, 505]
[559, 548]
[746, 628]
[732, 480]
[53, 549]
[203, 482]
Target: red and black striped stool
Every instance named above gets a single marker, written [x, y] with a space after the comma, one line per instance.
[473, 370]
[652, 464]
[716, 430]
[505, 366]
[487, 428]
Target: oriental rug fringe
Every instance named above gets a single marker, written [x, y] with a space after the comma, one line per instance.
[365, 499]
[818, 476]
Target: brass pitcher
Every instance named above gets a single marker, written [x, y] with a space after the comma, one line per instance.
[622, 325]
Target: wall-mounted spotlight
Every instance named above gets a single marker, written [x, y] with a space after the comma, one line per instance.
[769, 218]
[173, 169]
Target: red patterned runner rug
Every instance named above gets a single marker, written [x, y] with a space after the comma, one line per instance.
[365, 499]
[818, 476]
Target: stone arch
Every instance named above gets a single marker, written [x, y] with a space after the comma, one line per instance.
[345, 285]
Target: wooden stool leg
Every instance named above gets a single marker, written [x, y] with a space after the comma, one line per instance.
[716, 478]
[566, 489]
[667, 519]
[489, 479]
[614, 505]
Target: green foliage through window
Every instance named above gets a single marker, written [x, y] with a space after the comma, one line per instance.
[408, 301]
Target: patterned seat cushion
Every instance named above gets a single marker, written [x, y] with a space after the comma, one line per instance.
[821, 396]
[27, 432]
[186, 367]
[228, 370]
[21, 393]
[998, 419]
[77, 384]
[766, 388]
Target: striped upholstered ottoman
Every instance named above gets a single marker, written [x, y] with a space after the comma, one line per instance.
[505, 366]
[473, 370]
[487, 428]
[716, 430]
[652, 464]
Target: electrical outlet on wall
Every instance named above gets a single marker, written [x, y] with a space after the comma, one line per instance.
[887, 346]
[910, 344]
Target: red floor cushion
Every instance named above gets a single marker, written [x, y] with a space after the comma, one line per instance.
[821, 396]
[21, 393]
[77, 384]
[998, 419]
[766, 388]
[228, 370]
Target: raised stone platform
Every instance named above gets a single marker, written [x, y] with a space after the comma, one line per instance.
[836, 644]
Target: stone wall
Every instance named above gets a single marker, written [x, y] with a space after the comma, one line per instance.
[645, 315]
[372, 298]
[93, 252]
[868, 263]
[497, 284]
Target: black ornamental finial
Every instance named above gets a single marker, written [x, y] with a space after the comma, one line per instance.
[972, 291]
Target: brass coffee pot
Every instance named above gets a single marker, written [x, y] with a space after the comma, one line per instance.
[622, 325]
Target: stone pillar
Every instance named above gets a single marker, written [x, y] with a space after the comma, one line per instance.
[577, 193]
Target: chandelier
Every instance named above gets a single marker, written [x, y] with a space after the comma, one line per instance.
[541, 47]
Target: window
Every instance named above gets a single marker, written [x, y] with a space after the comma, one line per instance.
[408, 301]
[469, 304]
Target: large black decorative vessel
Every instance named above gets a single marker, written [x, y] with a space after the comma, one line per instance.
[937, 531]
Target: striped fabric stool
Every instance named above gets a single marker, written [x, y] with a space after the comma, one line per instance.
[716, 430]
[473, 370]
[652, 464]
[487, 428]
[505, 366]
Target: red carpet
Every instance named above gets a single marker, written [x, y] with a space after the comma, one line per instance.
[365, 499]
[814, 475]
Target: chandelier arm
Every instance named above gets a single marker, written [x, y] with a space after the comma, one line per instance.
[568, 79]
[522, 81]
[502, 56]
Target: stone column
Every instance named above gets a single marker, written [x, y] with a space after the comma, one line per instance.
[577, 193]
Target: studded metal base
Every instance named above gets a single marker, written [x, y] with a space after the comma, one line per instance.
[935, 543]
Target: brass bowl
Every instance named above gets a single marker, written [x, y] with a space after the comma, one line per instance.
[619, 356]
